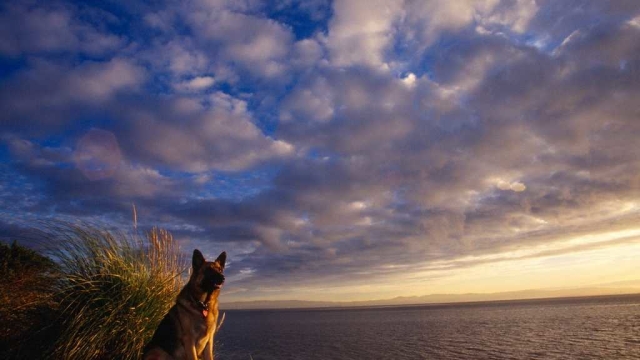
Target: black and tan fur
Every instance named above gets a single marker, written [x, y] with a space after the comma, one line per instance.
[188, 329]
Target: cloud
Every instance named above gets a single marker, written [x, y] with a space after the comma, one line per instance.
[46, 92]
[360, 31]
[513, 186]
[97, 82]
[197, 138]
[311, 103]
[409, 80]
[52, 28]
[382, 141]
[196, 84]
[82, 171]
[260, 46]
[178, 56]
[424, 22]
[518, 187]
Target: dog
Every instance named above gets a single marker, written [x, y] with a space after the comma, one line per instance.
[188, 329]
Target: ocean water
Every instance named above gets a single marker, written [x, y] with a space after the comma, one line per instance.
[586, 328]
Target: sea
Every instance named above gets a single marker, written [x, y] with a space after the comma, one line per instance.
[572, 328]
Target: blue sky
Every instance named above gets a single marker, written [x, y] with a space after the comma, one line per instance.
[335, 149]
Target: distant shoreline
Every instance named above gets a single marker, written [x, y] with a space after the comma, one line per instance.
[300, 304]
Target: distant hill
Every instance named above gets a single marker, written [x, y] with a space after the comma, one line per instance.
[618, 288]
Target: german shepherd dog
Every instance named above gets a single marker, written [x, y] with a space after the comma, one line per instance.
[187, 331]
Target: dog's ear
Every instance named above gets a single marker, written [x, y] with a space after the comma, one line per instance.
[197, 260]
[222, 258]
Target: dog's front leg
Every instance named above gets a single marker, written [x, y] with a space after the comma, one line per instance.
[190, 348]
[208, 349]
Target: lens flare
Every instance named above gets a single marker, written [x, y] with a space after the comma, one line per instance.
[97, 154]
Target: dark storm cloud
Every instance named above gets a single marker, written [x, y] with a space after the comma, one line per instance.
[421, 134]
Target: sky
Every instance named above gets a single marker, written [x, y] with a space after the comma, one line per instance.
[337, 150]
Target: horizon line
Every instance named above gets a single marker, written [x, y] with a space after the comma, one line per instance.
[319, 304]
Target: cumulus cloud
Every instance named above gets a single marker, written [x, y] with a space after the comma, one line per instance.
[387, 138]
[409, 79]
[47, 91]
[423, 22]
[513, 186]
[220, 135]
[52, 28]
[260, 45]
[360, 31]
[196, 84]
[179, 57]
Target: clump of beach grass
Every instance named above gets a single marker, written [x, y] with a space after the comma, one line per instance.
[113, 288]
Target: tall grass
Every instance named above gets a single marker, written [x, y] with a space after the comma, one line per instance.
[114, 289]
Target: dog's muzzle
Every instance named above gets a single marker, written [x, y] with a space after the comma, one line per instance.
[213, 281]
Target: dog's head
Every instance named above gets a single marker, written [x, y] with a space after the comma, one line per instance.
[208, 276]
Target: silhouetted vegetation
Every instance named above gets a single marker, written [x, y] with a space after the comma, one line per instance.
[27, 302]
[101, 298]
